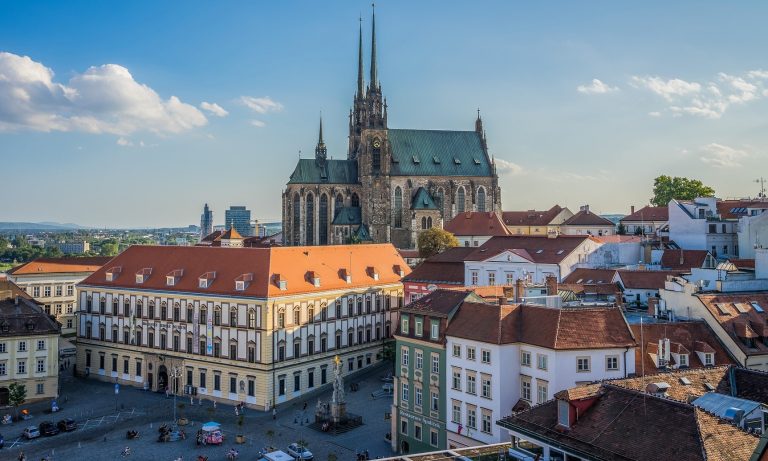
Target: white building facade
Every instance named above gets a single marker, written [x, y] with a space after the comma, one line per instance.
[697, 225]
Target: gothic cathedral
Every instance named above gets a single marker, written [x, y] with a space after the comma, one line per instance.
[394, 182]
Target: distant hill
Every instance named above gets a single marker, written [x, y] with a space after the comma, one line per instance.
[39, 226]
[614, 218]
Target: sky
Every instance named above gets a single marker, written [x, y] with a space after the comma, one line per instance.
[129, 114]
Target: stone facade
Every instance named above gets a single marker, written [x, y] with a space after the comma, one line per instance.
[371, 195]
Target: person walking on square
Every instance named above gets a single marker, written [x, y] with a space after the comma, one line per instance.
[274, 413]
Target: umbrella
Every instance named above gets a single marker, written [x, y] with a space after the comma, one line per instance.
[211, 426]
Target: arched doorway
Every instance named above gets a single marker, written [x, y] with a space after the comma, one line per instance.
[404, 447]
[4, 396]
[162, 378]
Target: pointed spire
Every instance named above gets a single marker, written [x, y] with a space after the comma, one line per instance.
[374, 78]
[479, 123]
[321, 152]
[320, 137]
[360, 79]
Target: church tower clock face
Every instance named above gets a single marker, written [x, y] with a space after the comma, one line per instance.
[376, 143]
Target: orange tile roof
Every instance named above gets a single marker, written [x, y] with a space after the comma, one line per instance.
[722, 440]
[230, 234]
[476, 223]
[60, 265]
[646, 280]
[735, 314]
[699, 379]
[268, 265]
[683, 259]
[586, 275]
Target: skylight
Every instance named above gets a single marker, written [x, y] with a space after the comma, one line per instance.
[538, 252]
[722, 308]
[757, 307]
[685, 381]
[741, 307]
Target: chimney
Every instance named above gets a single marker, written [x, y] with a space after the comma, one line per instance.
[585, 208]
[652, 303]
[551, 282]
[503, 301]
[632, 209]
[761, 263]
[519, 290]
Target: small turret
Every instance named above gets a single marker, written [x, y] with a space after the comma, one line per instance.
[321, 152]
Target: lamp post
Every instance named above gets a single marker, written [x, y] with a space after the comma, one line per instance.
[175, 375]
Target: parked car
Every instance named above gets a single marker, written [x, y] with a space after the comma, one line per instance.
[47, 428]
[66, 425]
[30, 433]
[299, 452]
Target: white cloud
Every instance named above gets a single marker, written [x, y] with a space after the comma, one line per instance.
[596, 87]
[655, 113]
[507, 167]
[668, 89]
[261, 105]
[710, 99]
[103, 99]
[122, 142]
[258, 123]
[214, 109]
[719, 155]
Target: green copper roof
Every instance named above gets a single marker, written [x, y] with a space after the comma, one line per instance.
[438, 153]
[308, 171]
[362, 233]
[347, 216]
[422, 201]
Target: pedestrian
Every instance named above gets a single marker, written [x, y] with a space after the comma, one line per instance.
[305, 407]
[274, 413]
[214, 404]
[237, 412]
[22, 457]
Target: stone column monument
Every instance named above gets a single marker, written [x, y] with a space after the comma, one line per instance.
[338, 405]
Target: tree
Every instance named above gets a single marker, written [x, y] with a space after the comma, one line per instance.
[666, 188]
[17, 395]
[435, 240]
[109, 247]
[622, 229]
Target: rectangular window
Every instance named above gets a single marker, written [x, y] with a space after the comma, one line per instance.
[485, 381]
[435, 331]
[419, 360]
[541, 361]
[2, 348]
[433, 438]
[485, 356]
[404, 356]
[21, 367]
[404, 325]
[404, 427]
[417, 396]
[22, 346]
[36, 292]
[486, 427]
[70, 290]
[612, 363]
[404, 392]
[582, 364]
[542, 391]
[457, 350]
[491, 278]
[435, 401]
[456, 414]
[40, 388]
[281, 386]
[470, 353]
[419, 327]
[233, 385]
[41, 344]
[708, 359]
[471, 417]
[435, 363]
[471, 383]
[510, 278]
[311, 379]
[203, 383]
[456, 380]
[417, 431]
[474, 278]
[138, 368]
[41, 365]
[296, 382]
[216, 382]
[323, 375]
[47, 291]
[251, 388]
[525, 388]
[3, 371]
[59, 290]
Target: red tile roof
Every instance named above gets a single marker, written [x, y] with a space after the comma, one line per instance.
[692, 336]
[530, 217]
[446, 267]
[743, 263]
[625, 425]
[683, 260]
[734, 209]
[735, 314]
[584, 275]
[476, 223]
[650, 280]
[541, 249]
[648, 214]
[267, 265]
[560, 329]
[60, 265]
[587, 218]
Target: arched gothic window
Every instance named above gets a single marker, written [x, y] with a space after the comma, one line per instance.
[481, 199]
[398, 211]
[429, 222]
[355, 200]
[460, 200]
[323, 222]
[423, 222]
[310, 219]
[296, 219]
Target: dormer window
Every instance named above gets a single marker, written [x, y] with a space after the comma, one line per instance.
[173, 277]
[372, 272]
[206, 280]
[113, 273]
[242, 282]
[314, 278]
[563, 413]
[683, 360]
[709, 359]
[143, 275]
[346, 275]
[281, 282]
[399, 270]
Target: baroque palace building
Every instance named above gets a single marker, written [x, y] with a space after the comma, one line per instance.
[393, 184]
[254, 325]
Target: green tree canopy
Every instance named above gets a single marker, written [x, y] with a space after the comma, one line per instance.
[666, 188]
[433, 241]
[17, 395]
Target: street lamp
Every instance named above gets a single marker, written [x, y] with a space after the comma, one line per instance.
[175, 375]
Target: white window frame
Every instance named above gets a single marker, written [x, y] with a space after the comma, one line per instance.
[583, 364]
[485, 356]
[608, 360]
[541, 362]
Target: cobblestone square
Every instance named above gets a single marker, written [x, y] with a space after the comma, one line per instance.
[103, 419]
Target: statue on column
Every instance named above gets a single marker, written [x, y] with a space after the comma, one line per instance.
[338, 382]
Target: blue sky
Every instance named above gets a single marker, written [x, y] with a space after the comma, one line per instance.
[136, 113]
